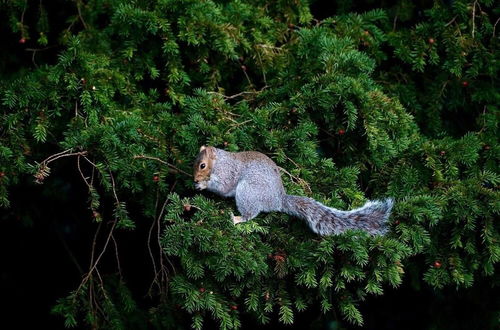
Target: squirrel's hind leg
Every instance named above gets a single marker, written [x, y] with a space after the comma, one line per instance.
[247, 202]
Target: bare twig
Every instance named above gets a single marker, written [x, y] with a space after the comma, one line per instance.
[150, 251]
[238, 124]
[262, 66]
[22, 18]
[96, 262]
[78, 4]
[474, 17]
[395, 21]
[163, 162]
[495, 27]
[300, 181]
[117, 257]
[81, 173]
[65, 153]
[43, 167]
[248, 77]
[452, 20]
[113, 187]
[161, 269]
[229, 97]
[443, 88]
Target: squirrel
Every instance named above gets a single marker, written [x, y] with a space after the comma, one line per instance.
[255, 182]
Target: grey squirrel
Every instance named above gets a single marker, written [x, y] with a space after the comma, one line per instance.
[255, 182]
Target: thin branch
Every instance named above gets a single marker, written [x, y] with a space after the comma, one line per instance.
[300, 181]
[117, 257]
[22, 18]
[81, 173]
[43, 167]
[262, 66]
[238, 124]
[78, 3]
[65, 153]
[161, 269]
[452, 20]
[150, 251]
[226, 97]
[35, 50]
[474, 17]
[96, 262]
[163, 162]
[495, 27]
[395, 20]
[443, 88]
[248, 77]
[113, 187]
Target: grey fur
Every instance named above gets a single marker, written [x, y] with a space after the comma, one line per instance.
[254, 180]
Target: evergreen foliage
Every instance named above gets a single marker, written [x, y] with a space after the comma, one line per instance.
[400, 101]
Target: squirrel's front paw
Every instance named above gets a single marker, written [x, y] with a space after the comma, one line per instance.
[236, 219]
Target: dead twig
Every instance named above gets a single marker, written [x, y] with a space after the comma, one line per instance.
[473, 18]
[303, 183]
[229, 97]
[163, 162]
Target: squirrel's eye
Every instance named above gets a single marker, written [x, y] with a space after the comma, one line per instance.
[202, 165]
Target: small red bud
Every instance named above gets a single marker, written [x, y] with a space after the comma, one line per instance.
[279, 258]
[234, 307]
[202, 290]
[396, 222]
[96, 214]
[442, 152]
[244, 68]
[341, 131]
[2, 174]
[187, 207]
[487, 147]
[465, 83]
[22, 40]
[156, 178]
[83, 81]
[432, 41]
[437, 264]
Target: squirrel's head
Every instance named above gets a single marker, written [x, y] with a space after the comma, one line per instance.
[203, 167]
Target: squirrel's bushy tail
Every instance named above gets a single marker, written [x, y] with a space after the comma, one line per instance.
[325, 220]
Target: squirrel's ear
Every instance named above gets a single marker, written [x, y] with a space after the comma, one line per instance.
[203, 148]
[210, 152]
